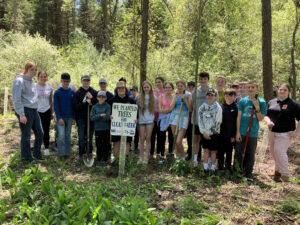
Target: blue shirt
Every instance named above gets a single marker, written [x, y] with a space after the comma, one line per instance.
[245, 106]
[101, 122]
[63, 103]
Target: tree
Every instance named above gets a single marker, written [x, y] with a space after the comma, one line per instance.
[267, 49]
[144, 42]
[2, 14]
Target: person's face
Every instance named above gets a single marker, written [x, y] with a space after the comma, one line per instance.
[283, 92]
[103, 86]
[65, 84]
[159, 84]
[229, 98]
[191, 88]
[220, 83]
[42, 78]
[147, 88]
[168, 89]
[180, 88]
[210, 98]
[203, 81]
[121, 91]
[101, 99]
[133, 92]
[85, 83]
[236, 88]
[31, 71]
[252, 89]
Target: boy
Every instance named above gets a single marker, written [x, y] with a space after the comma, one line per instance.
[103, 86]
[64, 115]
[236, 87]
[228, 129]
[100, 114]
[190, 89]
[220, 84]
[245, 107]
[209, 122]
[134, 96]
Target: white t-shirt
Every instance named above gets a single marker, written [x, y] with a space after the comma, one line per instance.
[147, 117]
[43, 97]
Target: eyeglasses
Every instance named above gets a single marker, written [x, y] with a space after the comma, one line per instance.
[230, 93]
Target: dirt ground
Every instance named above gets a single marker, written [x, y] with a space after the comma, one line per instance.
[235, 202]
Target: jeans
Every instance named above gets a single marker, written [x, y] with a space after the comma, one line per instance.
[34, 123]
[46, 120]
[64, 137]
[82, 135]
[249, 159]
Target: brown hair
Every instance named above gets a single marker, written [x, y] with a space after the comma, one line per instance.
[161, 79]
[286, 85]
[182, 81]
[229, 90]
[42, 71]
[221, 77]
[151, 105]
[28, 65]
[252, 82]
[204, 74]
[169, 83]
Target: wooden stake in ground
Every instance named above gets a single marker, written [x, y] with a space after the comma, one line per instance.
[122, 154]
[5, 101]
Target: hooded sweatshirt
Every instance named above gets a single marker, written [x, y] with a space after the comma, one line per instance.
[24, 94]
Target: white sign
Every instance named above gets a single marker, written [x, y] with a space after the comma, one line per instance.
[124, 116]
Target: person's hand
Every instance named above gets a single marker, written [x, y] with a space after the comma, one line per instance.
[238, 137]
[73, 122]
[111, 117]
[136, 121]
[232, 139]
[88, 100]
[23, 119]
[52, 117]
[270, 124]
[292, 134]
[102, 114]
[255, 103]
[89, 95]
[61, 122]
[206, 136]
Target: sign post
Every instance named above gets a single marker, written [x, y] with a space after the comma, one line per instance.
[123, 124]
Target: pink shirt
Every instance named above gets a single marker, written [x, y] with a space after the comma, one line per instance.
[157, 93]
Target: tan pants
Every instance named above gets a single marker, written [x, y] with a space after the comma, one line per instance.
[279, 143]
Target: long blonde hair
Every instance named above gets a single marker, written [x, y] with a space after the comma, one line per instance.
[151, 105]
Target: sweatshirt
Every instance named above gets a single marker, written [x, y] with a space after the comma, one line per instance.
[101, 122]
[63, 103]
[24, 94]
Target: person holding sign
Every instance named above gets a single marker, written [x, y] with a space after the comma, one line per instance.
[121, 96]
[179, 118]
[146, 102]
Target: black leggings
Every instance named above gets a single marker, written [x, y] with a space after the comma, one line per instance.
[161, 140]
[226, 147]
[46, 120]
[102, 143]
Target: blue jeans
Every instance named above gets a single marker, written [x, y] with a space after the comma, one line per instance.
[82, 135]
[64, 137]
[34, 123]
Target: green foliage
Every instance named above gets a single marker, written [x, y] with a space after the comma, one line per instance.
[180, 167]
[290, 206]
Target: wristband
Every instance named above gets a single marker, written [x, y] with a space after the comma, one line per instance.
[258, 111]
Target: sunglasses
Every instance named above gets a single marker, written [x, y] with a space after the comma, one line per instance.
[210, 95]
[230, 93]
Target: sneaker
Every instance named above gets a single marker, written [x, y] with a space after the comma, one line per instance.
[39, 158]
[46, 152]
[188, 158]
[274, 173]
[212, 168]
[209, 162]
[33, 162]
[195, 163]
[205, 166]
[249, 177]
[161, 161]
[158, 157]
[140, 161]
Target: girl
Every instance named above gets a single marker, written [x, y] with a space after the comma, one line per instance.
[45, 107]
[281, 115]
[164, 104]
[184, 99]
[26, 103]
[146, 102]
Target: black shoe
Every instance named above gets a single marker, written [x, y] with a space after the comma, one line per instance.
[249, 177]
[98, 163]
[39, 158]
[188, 158]
[136, 150]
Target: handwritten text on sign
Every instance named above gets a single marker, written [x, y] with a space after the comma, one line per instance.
[126, 114]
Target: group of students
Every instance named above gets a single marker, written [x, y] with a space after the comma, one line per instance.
[226, 119]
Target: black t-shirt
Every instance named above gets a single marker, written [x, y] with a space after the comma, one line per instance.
[283, 114]
[229, 115]
[117, 99]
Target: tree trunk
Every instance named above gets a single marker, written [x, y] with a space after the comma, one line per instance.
[105, 31]
[267, 49]
[144, 41]
[2, 15]
[15, 16]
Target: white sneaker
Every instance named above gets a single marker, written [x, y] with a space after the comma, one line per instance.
[195, 163]
[46, 152]
[205, 166]
[209, 162]
[212, 168]
[140, 161]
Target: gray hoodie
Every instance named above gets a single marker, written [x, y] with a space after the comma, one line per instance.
[24, 94]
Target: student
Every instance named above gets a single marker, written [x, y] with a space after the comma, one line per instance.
[45, 106]
[244, 113]
[134, 96]
[184, 99]
[25, 100]
[189, 132]
[164, 108]
[85, 97]
[103, 87]
[121, 96]
[281, 116]
[220, 84]
[209, 122]
[159, 83]
[242, 88]
[236, 87]
[146, 103]
[65, 117]
[100, 115]
[228, 129]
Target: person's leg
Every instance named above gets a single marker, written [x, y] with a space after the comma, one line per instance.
[282, 142]
[148, 130]
[136, 139]
[142, 132]
[205, 158]
[161, 141]
[189, 140]
[81, 135]
[60, 139]
[116, 148]
[91, 136]
[221, 151]
[197, 147]
[250, 155]
[68, 129]
[106, 144]
[179, 144]
[45, 121]
[213, 154]
[153, 138]
[98, 144]
[271, 149]
[39, 134]
[170, 139]
[238, 154]
[228, 151]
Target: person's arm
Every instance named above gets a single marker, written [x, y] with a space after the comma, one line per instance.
[77, 104]
[173, 102]
[94, 116]
[160, 109]
[51, 103]
[238, 137]
[268, 121]
[107, 113]
[17, 98]
[260, 112]
[189, 102]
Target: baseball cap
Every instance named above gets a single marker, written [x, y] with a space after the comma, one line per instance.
[102, 80]
[211, 91]
[135, 88]
[121, 84]
[101, 93]
[65, 76]
[85, 77]
[122, 79]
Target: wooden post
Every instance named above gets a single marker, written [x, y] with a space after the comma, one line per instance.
[122, 155]
[5, 101]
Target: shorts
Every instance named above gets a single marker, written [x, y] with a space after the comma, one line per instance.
[185, 122]
[212, 144]
[118, 138]
[145, 124]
